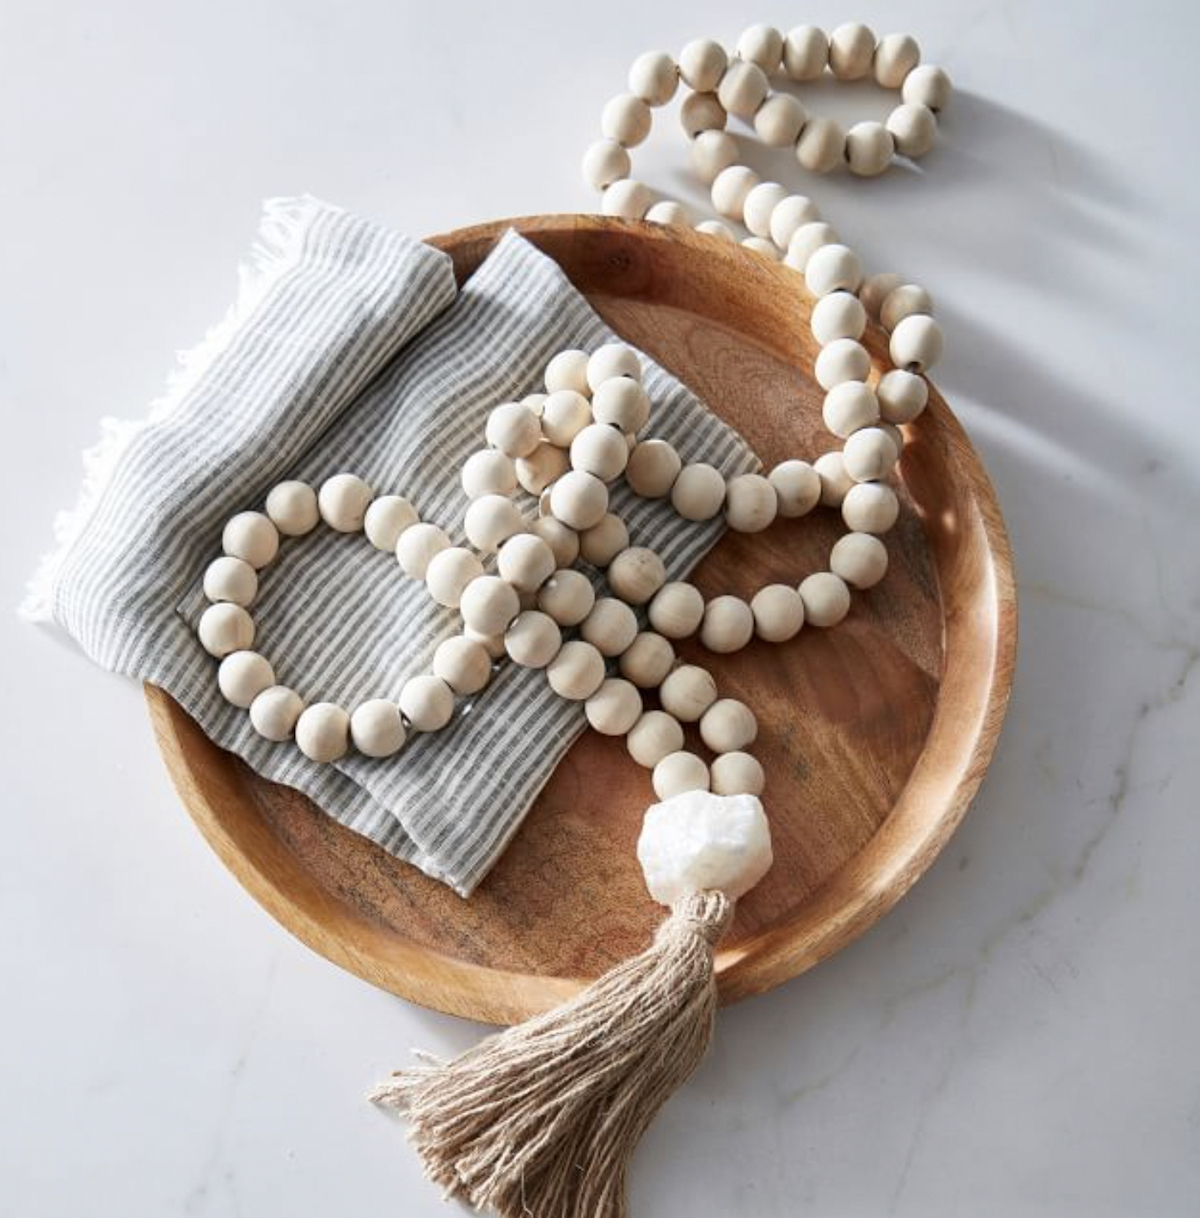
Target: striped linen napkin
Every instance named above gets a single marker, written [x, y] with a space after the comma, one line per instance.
[349, 349]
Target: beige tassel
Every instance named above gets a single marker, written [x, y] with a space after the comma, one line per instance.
[541, 1121]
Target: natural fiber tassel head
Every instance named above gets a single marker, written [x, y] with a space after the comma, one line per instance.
[540, 1121]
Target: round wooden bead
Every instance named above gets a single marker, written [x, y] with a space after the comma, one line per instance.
[565, 413]
[927, 85]
[567, 596]
[577, 672]
[614, 708]
[526, 562]
[621, 402]
[842, 360]
[838, 315]
[821, 146]
[698, 493]
[870, 507]
[835, 482]
[779, 120]
[679, 772]
[759, 205]
[600, 544]
[491, 520]
[567, 370]
[730, 188]
[563, 541]
[778, 613]
[743, 88]
[626, 119]
[600, 450]
[652, 737]
[533, 639]
[905, 301]
[869, 149]
[805, 52]
[464, 664]
[513, 429]
[805, 242]
[605, 162]
[699, 112]
[826, 599]
[895, 57]
[427, 702]
[225, 627]
[230, 579]
[343, 501]
[274, 712]
[902, 395]
[913, 128]
[797, 488]
[535, 472]
[789, 215]
[833, 268]
[489, 472]
[851, 50]
[916, 343]
[626, 198]
[648, 660]
[251, 537]
[386, 518]
[718, 229]
[702, 63]
[654, 78]
[668, 211]
[750, 503]
[292, 507]
[579, 499]
[728, 624]
[728, 726]
[449, 572]
[849, 406]
[737, 774]
[377, 728]
[488, 604]
[688, 692]
[763, 45]
[677, 610]
[860, 559]
[243, 675]
[875, 289]
[323, 732]
[613, 360]
[610, 627]
[653, 467]
[713, 152]
[636, 574]
[869, 455]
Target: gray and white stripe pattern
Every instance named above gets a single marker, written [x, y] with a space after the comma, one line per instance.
[357, 354]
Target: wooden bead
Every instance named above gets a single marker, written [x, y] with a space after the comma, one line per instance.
[826, 599]
[743, 88]
[225, 627]
[833, 268]
[763, 45]
[567, 596]
[230, 579]
[902, 395]
[699, 112]
[678, 772]
[688, 692]
[464, 664]
[821, 147]
[778, 613]
[913, 128]
[842, 360]
[621, 402]
[292, 508]
[449, 572]
[526, 562]
[243, 675]
[648, 660]
[805, 53]
[728, 624]
[860, 559]
[600, 544]
[698, 493]
[702, 63]
[653, 467]
[869, 455]
[323, 732]
[713, 152]
[654, 78]
[636, 574]
[563, 541]
[750, 503]
[489, 472]
[533, 639]
[626, 119]
[274, 712]
[851, 50]
[614, 708]
[610, 627]
[895, 57]
[668, 211]
[849, 406]
[652, 737]
[737, 774]
[343, 501]
[377, 728]
[797, 488]
[600, 450]
[927, 85]
[869, 149]
[252, 537]
[730, 188]
[677, 610]
[717, 229]
[537, 471]
[728, 726]
[567, 370]
[916, 343]
[491, 520]
[489, 604]
[789, 215]
[565, 413]
[386, 518]
[838, 315]
[579, 499]
[870, 507]
[626, 198]
[835, 482]
[875, 289]
[805, 242]
[759, 204]
[513, 429]
[779, 120]
[605, 162]
[577, 672]
[427, 702]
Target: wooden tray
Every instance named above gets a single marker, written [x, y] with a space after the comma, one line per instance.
[874, 735]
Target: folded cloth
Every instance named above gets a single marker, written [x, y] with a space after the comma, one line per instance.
[350, 349]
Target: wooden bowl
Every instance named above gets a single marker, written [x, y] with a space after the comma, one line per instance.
[874, 735]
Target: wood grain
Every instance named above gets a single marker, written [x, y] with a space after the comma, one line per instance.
[874, 735]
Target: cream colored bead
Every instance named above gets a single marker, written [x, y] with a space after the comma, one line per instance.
[860, 559]
[636, 574]
[626, 119]
[667, 211]
[565, 414]
[779, 120]
[386, 518]
[730, 188]
[870, 507]
[789, 215]
[833, 268]
[713, 152]
[377, 728]
[750, 503]
[621, 402]
[600, 544]
[679, 772]
[614, 708]
[688, 692]
[797, 488]
[654, 78]
[652, 737]
[579, 499]
[821, 147]
[292, 507]
[875, 289]
[718, 229]
[806, 240]
[567, 370]
[913, 128]
[274, 712]
[902, 395]
[526, 562]
[427, 702]
[702, 63]
[563, 541]
[243, 675]
[653, 467]
[567, 596]
[604, 163]
[230, 579]
[763, 45]
[537, 471]
[577, 672]
[838, 315]
[600, 450]
[826, 599]
[613, 360]
[493, 644]
[728, 624]
[323, 732]
[610, 627]
[842, 360]
[916, 343]
[778, 613]
[490, 520]
[869, 149]
[728, 726]
[699, 112]
[895, 56]
[743, 88]
[835, 482]
[488, 472]
[851, 50]
[626, 198]
[698, 493]
[849, 406]
[513, 429]
[677, 610]
[648, 660]
[869, 455]
[225, 627]
[252, 537]
[927, 86]
[759, 204]
[464, 664]
[805, 52]
[343, 501]
[489, 604]
[449, 572]
[533, 639]
[737, 774]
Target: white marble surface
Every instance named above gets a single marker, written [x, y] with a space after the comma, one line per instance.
[1018, 1038]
